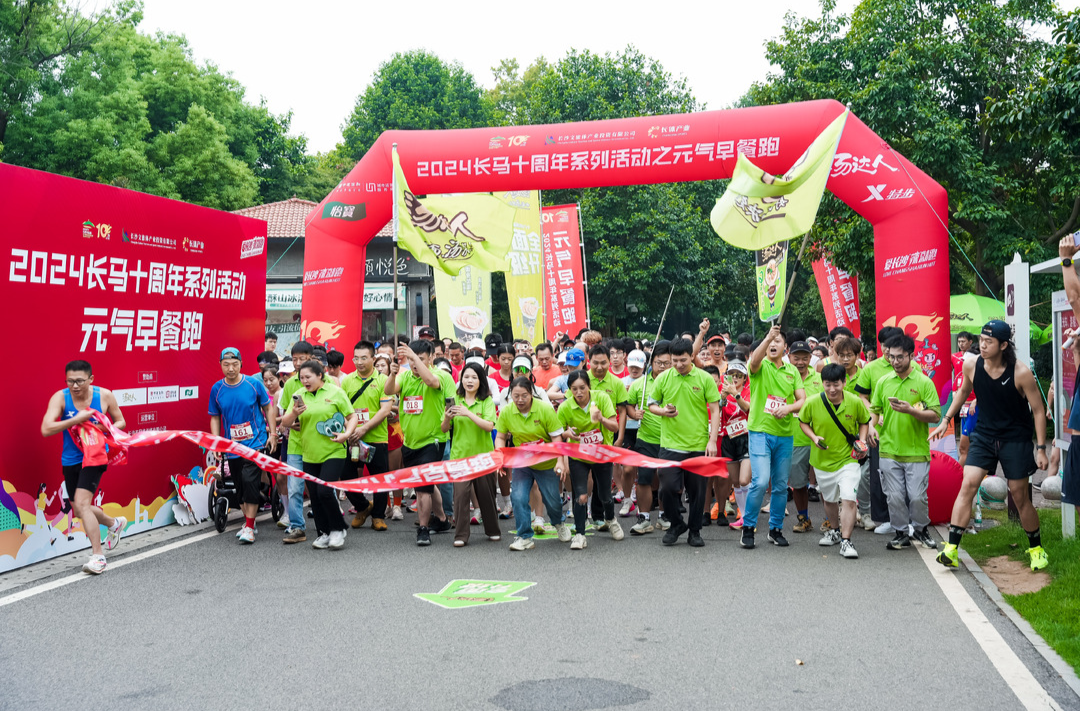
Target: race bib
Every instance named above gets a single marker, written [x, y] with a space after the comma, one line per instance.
[364, 415]
[735, 428]
[592, 437]
[773, 404]
[965, 409]
[241, 432]
[413, 405]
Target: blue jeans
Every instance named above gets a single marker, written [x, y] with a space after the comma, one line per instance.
[447, 490]
[770, 461]
[296, 494]
[520, 488]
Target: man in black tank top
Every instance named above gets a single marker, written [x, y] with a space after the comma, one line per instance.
[1010, 412]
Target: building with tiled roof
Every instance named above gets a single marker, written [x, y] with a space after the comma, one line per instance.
[285, 222]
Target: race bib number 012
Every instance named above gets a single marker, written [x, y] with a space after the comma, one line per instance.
[592, 437]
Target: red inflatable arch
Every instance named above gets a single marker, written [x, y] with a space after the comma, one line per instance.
[907, 208]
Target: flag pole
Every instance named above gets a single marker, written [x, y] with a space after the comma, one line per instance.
[393, 265]
[543, 270]
[791, 282]
[658, 330]
[585, 268]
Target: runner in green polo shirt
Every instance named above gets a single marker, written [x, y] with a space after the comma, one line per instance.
[423, 392]
[837, 472]
[799, 478]
[295, 533]
[776, 393]
[326, 420]
[473, 418]
[648, 439]
[530, 420]
[589, 418]
[689, 401]
[906, 403]
[364, 387]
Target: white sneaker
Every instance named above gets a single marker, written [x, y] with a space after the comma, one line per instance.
[397, 515]
[522, 544]
[538, 525]
[884, 529]
[867, 523]
[112, 538]
[578, 543]
[627, 507]
[831, 538]
[616, 530]
[847, 550]
[662, 523]
[94, 566]
[563, 532]
[283, 522]
[642, 527]
[494, 538]
[322, 542]
[247, 535]
[337, 540]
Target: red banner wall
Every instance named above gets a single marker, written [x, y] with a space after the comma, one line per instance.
[907, 208]
[564, 281]
[839, 296]
[147, 290]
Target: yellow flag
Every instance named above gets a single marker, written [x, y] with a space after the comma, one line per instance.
[759, 209]
[450, 231]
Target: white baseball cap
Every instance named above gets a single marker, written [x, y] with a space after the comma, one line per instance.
[636, 358]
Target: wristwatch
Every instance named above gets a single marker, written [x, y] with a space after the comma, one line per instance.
[1040, 446]
[1066, 262]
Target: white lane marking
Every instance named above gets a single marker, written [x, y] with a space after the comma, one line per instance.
[69, 579]
[1016, 675]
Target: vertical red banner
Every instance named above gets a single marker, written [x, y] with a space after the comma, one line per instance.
[564, 282]
[839, 296]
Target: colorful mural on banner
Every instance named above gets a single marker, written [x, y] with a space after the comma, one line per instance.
[147, 290]
[464, 303]
[770, 274]
[525, 278]
[564, 282]
[839, 296]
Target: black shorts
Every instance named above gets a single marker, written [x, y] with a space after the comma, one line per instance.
[735, 448]
[630, 439]
[76, 476]
[646, 475]
[248, 478]
[1017, 458]
[428, 454]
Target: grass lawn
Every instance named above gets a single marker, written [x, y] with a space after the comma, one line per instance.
[1054, 611]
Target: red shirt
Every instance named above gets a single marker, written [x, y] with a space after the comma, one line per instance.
[620, 376]
[544, 377]
[455, 370]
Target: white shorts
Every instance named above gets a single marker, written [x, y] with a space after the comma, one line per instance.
[842, 484]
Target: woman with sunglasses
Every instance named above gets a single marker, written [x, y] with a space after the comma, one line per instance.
[589, 418]
[531, 421]
[473, 418]
[327, 421]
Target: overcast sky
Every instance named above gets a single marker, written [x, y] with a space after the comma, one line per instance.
[316, 57]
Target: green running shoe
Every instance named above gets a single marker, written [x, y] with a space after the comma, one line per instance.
[949, 557]
[1038, 558]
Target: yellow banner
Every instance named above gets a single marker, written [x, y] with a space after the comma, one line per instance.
[525, 277]
[464, 303]
[450, 231]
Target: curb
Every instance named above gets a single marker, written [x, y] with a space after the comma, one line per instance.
[1052, 658]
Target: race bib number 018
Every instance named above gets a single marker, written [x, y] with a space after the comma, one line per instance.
[413, 405]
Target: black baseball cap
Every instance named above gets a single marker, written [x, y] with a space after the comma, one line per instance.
[997, 329]
[427, 331]
[800, 347]
[493, 341]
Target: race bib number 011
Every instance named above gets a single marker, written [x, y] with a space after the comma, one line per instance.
[364, 415]
[773, 404]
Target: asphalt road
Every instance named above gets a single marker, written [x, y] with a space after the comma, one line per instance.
[627, 624]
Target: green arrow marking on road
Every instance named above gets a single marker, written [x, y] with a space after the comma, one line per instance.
[473, 593]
